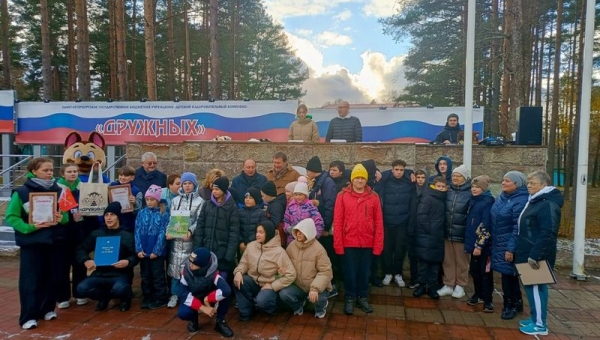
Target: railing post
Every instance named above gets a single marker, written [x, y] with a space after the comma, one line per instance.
[110, 158]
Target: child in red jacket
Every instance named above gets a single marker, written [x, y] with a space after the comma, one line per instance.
[357, 235]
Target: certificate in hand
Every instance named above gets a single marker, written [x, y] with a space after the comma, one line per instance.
[42, 206]
[107, 250]
[530, 276]
[121, 193]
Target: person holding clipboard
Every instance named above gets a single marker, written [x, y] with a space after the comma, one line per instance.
[538, 229]
[112, 263]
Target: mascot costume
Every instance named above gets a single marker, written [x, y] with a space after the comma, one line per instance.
[87, 154]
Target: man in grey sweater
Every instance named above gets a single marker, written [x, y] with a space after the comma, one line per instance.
[345, 126]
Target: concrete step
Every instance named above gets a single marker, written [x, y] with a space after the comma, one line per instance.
[7, 241]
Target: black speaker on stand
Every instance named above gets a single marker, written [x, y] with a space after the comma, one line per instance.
[529, 125]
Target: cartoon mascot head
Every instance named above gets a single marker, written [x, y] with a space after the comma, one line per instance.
[85, 153]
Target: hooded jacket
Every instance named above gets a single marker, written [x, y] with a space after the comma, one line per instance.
[218, 229]
[505, 214]
[480, 208]
[449, 133]
[204, 282]
[325, 191]
[180, 249]
[313, 267]
[437, 170]
[396, 199]
[538, 226]
[297, 212]
[262, 262]
[429, 232]
[457, 206]
[358, 221]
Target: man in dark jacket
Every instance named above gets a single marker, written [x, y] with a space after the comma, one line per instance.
[275, 205]
[450, 134]
[248, 178]
[344, 127]
[147, 174]
[114, 281]
[443, 167]
[396, 192]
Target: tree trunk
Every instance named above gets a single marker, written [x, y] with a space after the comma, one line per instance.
[112, 50]
[133, 65]
[204, 89]
[150, 49]
[555, 91]
[215, 66]
[121, 57]
[232, 95]
[506, 81]
[547, 113]
[571, 108]
[71, 53]
[6, 75]
[46, 52]
[83, 54]
[171, 47]
[518, 91]
[187, 67]
[495, 70]
[540, 68]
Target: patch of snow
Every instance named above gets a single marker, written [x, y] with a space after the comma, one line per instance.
[147, 337]
[592, 246]
[65, 336]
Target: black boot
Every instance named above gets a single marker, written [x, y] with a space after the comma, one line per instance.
[102, 305]
[125, 305]
[419, 291]
[193, 326]
[363, 304]
[509, 311]
[432, 292]
[349, 305]
[223, 328]
[519, 305]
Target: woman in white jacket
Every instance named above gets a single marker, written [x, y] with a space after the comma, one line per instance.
[190, 202]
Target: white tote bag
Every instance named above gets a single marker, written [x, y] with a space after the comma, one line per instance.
[93, 197]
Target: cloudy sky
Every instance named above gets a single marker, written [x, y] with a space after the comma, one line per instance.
[344, 48]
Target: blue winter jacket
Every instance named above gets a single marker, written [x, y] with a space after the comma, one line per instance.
[325, 192]
[150, 230]
[505, 213]
[242, 182]
[396, 199]
[479, 213]
[538, 227]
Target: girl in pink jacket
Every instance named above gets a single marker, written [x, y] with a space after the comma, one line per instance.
[300, 208]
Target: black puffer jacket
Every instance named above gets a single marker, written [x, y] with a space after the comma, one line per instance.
[457, 207]
[276, 209]
[325, 192]
[429, 232]
[396, 199]
[538, 227]
[349, 129]
[218, 229]
[249, 218]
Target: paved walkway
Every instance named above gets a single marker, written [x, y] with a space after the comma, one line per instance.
[574, 313]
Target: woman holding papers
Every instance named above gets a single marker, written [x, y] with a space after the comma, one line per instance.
[538, 228]
[37, 235]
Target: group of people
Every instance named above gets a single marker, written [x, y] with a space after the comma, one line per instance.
[290, 238]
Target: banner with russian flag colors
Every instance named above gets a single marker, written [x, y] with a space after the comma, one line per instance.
[7, 111]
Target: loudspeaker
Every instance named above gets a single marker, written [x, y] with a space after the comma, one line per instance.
[529, 125]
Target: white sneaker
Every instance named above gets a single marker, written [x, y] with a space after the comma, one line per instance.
[399, 281]
[458, 292]
[173, 301]
[446, 290]
[31, 324]
[387, 279]
[50, 316]
[64, 305]
[81, 302]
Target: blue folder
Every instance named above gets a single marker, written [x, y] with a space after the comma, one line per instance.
[107, 250]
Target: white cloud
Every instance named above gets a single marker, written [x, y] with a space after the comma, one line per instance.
[304, 32]
[328, 38]
[376, 79]
[382, 8]
[285, 9]
[343, 16]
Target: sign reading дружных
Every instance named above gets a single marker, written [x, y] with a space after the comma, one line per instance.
[165, 122]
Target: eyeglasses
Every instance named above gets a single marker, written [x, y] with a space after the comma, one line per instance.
[343, 107]
[151, 163]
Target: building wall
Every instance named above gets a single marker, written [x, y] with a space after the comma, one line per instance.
[199, 157]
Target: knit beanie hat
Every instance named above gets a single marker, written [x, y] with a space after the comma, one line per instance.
[340, 165]
[314, 165]
[201, 257]
[302, 179]
[517, 177]
[189, 177]
[269, 229]
[290, 186]
[154, 191]
[301, 188]
[222, 183]
[463, 171]
[359, 171]
[450, 116]
[269, 189]
[115, 208]
[482, 181]
[254, 193]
